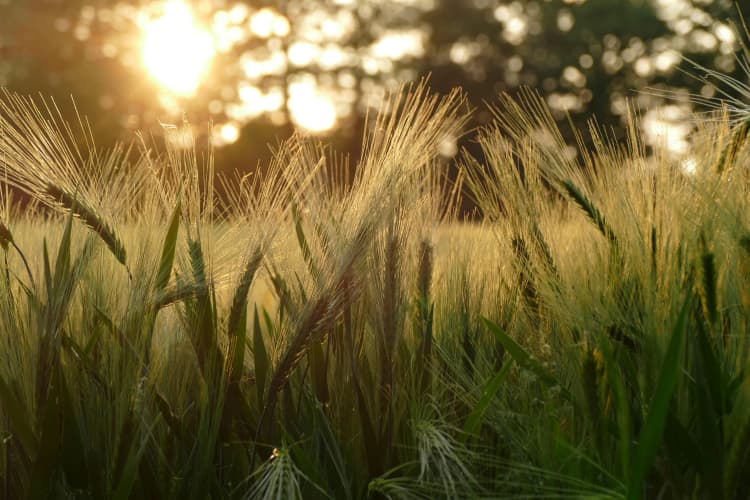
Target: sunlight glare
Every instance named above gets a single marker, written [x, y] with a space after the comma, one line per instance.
[176, 52]
[311, 110]
[266, 23]
[668, 128]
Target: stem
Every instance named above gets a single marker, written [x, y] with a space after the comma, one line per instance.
[25, 263]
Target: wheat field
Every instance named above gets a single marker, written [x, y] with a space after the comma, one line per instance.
[324, 331]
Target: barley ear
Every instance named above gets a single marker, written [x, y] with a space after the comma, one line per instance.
[729, 153]
[90, 218]
[6, 237]
[7, 241]
[588, 207]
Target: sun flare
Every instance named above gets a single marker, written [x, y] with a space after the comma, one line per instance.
[314, 112]
[176, 51]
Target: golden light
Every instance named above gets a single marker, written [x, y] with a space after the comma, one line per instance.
[311, 110]
[668, 128]
[266, 22]
[399, 44]
[226, 134]
[176, 51]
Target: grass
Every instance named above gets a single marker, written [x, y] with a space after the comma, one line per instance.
[318, 333]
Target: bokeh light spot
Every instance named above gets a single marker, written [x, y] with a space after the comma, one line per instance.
[176, 51]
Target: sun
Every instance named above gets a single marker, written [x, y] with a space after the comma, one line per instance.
[177, 52]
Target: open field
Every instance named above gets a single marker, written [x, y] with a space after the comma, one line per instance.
[309, 336]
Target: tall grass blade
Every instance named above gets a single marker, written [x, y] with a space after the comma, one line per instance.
[369, 436]
[20, 426]
[260, 358]
[43, 477]
[302, 242]
[173, 421]
[738, 461]
[490, 390]
[319, 371]
[168, 250]
[72, 452]
[622, 406]
[708, 284]
[650, 437]
[124, 487]
[525, 359]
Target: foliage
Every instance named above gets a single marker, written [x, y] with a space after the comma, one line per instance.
[587, 55]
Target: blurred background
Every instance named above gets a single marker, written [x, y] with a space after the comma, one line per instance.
[259, 69]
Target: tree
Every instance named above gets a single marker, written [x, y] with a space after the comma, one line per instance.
[585, 56]
[283, 62]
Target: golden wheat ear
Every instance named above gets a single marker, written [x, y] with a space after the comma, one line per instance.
[6, 237]
[91, 219]
[41, 157]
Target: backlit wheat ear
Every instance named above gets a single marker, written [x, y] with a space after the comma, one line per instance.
[6, 237]
[90, 219]
[588, 207]
[729, 153]
[239, 300]
[402, 143]
[7, 241]
[177, 294]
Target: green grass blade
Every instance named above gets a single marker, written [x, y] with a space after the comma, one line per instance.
[260, 357]
[47, 458]
[710, 372]
[623, 412]
[490, 390]
[126, 481]
[525, 359]
[17, 416]
[237, 349]
[373, 450]
[82, 358]
[302, 241]
[168, 250]
[172, 420]
[47, 266]
[62, 264]
[738, 459]
[73, 453]
[650, 437]
[680, 443]
[317, 360]
[709, 298]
